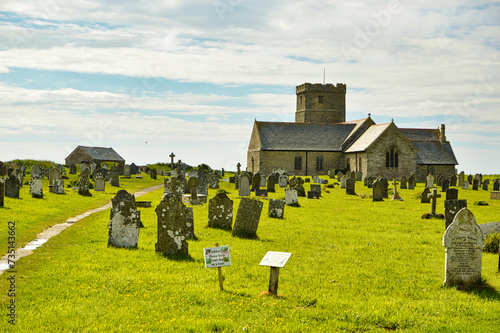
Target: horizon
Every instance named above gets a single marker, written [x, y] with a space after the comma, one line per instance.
[191, 78]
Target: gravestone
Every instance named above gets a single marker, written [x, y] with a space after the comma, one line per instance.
[172, 227]
[412, 182]
[213, 181]
[464, 242]
[312, 195]
[429, 181]
[378, 191]
[247, 218]
[256, 182]
[93, 166]
[72, 169]
[37, 172]
[316, 180]
[475, 185]
[404, 183]
[292, 182]
[485, 184]
[452, 194]
[339, 175]
[496, 185]
[84, 186]
[202, 187]
[451, 208]
[461, 179]
[369, 182]
[36, 188]
[20, 177]
[343, 180]
[307, 180]
[359, 175]
[395, 195]
[232, 179]
[154, 174]
[316, 188]
[12, 186]
[465, 186]
[352, 175]
[85, 166]
[100, 183]
[271, 183]
[58, 187]
[434, 196]
[385, 186]
[133, 169]
[301, 191]
[276, 208]
[331, 173]
[244, 184]
[453, 180]
[189, 223]
[220, 212]
[115, 179]
[126, 171]
[2, 169]
[283, 180]
[237, 176]
[124, 221]
[54, 173]
[291, 197]
[470, 179]
[350, 185]
[445, 185]
[193, 183]
[425, 196]
[2, 191]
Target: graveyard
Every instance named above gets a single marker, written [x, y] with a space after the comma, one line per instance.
[357, 264]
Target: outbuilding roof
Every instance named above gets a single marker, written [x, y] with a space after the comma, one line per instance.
[430, 148]
[102, 154]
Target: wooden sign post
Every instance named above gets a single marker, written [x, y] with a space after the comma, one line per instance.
[217, 256]
[275, 260]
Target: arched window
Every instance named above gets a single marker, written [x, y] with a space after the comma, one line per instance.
[392, 158]
[252, 165]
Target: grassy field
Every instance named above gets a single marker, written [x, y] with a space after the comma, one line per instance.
[357, 265]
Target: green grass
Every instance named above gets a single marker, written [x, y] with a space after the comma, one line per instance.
[357, 265]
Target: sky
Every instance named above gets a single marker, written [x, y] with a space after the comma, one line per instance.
[149, 78]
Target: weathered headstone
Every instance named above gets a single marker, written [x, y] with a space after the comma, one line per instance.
[301, 191]
[84, 186]
[453, 180]
[485, 184]
[475, 184]
[350, 185]
[445, 185]
[470, 179]
[271, 183]
[404, 183]
[291, 197]
[412, 182]
[189, 223]
[465, 186]
[339, 175]
[126, 171]
[256, 182]
[343, 180]
[12, 186]
[244, 184]
[425, 196]
[283, 180]
[58, 187]
[2, 169]
[72, 169]
[395, 195]
[378, 192]
[247, 218]
[193, 183]
[220, 212]
[316, 179]
[172, 227]
[37, 172]
[133, 169]
[496, 185]
[115, 179]
[54, 173]
[213, 180]
[359, 175]
[124, 221]
[202, 187]
[451, 208]
[433, 196]
[100, 183]
[429, 181]
[464, 242]
[316, 188]
[154, 174]
[385, 187]
[461, 179]
[369, 182]
[276, 208]
[36, 188]
[452, 194]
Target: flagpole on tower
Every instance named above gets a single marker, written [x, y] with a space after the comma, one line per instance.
[324, 74]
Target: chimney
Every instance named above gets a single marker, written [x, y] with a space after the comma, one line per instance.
[443, 135]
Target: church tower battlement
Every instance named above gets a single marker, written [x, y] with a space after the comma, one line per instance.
[320, 103]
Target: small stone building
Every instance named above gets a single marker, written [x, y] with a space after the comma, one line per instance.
[321, 140]
[94, 154]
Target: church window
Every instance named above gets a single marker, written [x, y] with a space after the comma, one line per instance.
[319, 163]
[300, 100]
[392, 158]
[298, 162]
[253, 165]
[320, 99]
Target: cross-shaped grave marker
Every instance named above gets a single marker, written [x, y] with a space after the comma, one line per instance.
[434, 195]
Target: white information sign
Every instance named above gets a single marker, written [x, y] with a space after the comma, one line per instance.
[275, 259]
[217, 256]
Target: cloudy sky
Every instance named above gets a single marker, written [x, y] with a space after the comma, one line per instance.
[153, 77]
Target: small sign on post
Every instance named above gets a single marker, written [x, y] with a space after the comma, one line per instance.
[217, 256]
[275, 260]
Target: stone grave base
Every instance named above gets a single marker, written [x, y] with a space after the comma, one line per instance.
[495, 195]
[186, 198]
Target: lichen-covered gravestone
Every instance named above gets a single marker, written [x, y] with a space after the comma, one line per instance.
[84, 186]
[36, 188]
[220, 212]
[213, 180]
[172, 226]
[202, 187]
[193, 183]
[276, 208]
[244, 184]
[37, 172]
[12, 187]
[58, 187]
[115, 179]
[291, 197]
[464, 242]
[247, 218]
[124, 221]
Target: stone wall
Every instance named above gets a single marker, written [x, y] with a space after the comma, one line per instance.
[424, 169]
[77, 156]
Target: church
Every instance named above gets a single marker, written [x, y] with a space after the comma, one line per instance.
[321, 140]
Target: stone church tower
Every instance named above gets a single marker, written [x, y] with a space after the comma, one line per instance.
[320, 103]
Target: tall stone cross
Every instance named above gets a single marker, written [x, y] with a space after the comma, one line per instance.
[239, 167]
[395, 196]
[179, 166]
[434, 195]
[172, 161]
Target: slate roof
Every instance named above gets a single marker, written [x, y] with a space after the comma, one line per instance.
[102, 154]
[299, 136]
[430, 149]
[367, 138]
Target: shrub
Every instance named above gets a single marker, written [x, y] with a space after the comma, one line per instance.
[492, 243]
[481, 203]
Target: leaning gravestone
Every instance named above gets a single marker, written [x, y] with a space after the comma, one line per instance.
[124, 221]
[425, 196]
[350, 186]
[291, 197]
[247, 218]
[84, 186]
[58, 187]
[220, 212]
[378, 191]
[244, 184]
[12, 187]
[36, 188]
[276, 208]
[2, 191]
[172, 227]
[464, 242]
